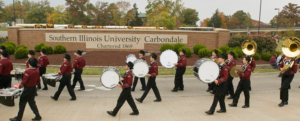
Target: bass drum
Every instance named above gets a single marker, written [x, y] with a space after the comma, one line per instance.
[206, 70]
[168, 58]
[110, 77]
[140, 68]
[130, 58]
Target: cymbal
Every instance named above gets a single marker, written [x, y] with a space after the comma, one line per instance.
[232, 71]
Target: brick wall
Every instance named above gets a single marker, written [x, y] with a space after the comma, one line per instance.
[32, 37]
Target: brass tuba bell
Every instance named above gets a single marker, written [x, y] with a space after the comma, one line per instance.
[290, 48]
[249, 47]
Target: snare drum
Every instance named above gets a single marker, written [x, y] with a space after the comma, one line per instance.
[140, 68]
[206, 70]
[51, 79]
[110, 77]
[7, 96]
[168, 58]
[19, 75]
[130, 58]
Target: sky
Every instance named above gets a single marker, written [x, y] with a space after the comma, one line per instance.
[206, 8]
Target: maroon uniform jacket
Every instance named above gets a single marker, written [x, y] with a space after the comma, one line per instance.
[79, 63]
[143, 58]
[247, 72]
[27, 63]
[5, 66]
[294, 67]
[153, 69]
[252, 64]
[127, 82]
[213, 57]
[7, 57]
[31, 77]
[182, 62]
[223, 75]
[43, 61]
[65, 69]
[231, 63]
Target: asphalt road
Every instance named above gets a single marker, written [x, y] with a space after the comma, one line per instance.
[189, 105]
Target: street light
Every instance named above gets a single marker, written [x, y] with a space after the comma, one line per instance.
[277, 20]
[259, 16]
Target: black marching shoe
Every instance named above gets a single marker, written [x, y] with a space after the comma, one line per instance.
[134, 113]
[232, 105]
[45, 89]
[72, 99]
[245, 106]
[281, 104]
[14, 119]
[286, 103]
[208, 90]
[221, 111]
[209, 112]
[230, 97]
[53, 98]
[37, 118]
[111, 113]
[157, 100]
[174, 90]
[139, 100]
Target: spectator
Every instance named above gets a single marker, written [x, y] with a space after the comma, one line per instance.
[273, 61]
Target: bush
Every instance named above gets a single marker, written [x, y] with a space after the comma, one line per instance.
[10, 43]
[239, 51]
[177, 46]
[188, 51]
[58, 49]
[256, 56]
[48, 49]
[266, 56]
[166, 47]
[219, 52]
[10, 47]
[197, 47]
[236, 55]
[204, 52]
[277, 52]
[38, 47]
[224, 48]
[21, 53]
[21, 46]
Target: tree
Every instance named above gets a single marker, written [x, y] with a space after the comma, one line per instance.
[232, 21]
[290, 14]
[190, 16]
[19, 11]
[224, 20]
[27, 5]
[76, 11]
[123, 6]
[205, 22]
[2, 11]
[58, 16]
[39, 12]
[98, 13]
[215, 20]
[244, 18]
[137, 21]
[160, 17]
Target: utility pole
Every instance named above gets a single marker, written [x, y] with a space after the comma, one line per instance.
[277, 20]
[14, 10]
[259, 16]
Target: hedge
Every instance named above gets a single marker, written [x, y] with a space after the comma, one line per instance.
[177, 46]
[219, 52]
[204, 52]
[197, 47]
[48, 49]
[188, 51]
[224, 48]
[21, 53]
[10, 47]
[256, 56]
[58, 49]
[277, 53]
[239, 51]
[38, 47]
[266, 56]
[166, 47]
[21, 46]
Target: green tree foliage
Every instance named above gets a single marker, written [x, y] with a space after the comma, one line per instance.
[243, 18]
[9, 11]
[166, 47]
[76, 11]
[137, 21]
[215, 20]
[39, 12]
[190, 16]
[58, 16]
[289, 15]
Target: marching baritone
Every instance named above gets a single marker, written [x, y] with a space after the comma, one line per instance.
[213, 57]
[153, 72]
[220, 88]
[65, 72]
[229, 84]
[244, 84]
[126, 92]
[5, 68]
[180, 70]
[141, 56]
[30, 80]
[78, 65]
[286, 80]
[3, 48]
[43, 63]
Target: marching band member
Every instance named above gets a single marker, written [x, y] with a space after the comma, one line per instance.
[30, 80]
[43, 62]
[220, 87]
[153, 72]
[253, 66]
[213, 57]
[229, 84]
[141, 54]
[5, 68]
[180, 70]
[31, 54]
[126, 92]
[244, 84]
[3, 48]
[78, 65]
[65, 72]
[286, 80]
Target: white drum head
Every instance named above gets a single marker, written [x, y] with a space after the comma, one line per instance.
[168, 58]
[110, 79]
[130, 58]
[208, 71]
[140, 69]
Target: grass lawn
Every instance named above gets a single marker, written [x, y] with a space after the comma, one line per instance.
[160, 71]
[3, 29]
[279, 45]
